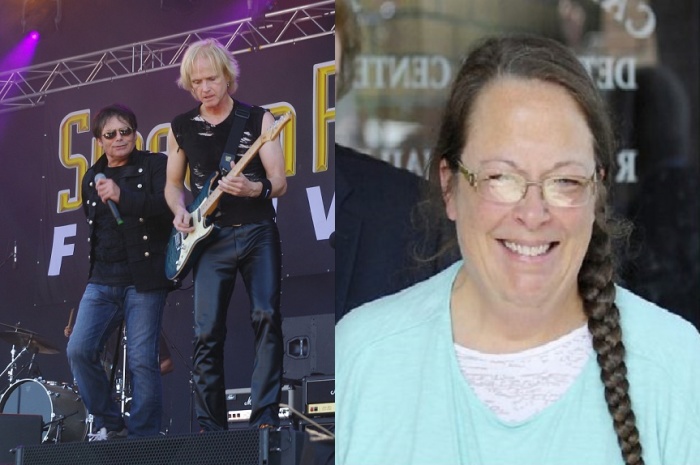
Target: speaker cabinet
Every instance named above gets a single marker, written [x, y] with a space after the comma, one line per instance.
[282, 446]
[238, 447]
[18, 430]
[309, 345]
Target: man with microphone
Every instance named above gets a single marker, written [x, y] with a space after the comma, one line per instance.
[129, 224]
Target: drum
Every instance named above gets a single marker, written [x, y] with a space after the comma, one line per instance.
[62, 410]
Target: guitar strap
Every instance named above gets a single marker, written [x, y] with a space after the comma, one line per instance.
[241, 114]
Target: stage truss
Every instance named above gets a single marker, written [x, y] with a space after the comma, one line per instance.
[29, 87]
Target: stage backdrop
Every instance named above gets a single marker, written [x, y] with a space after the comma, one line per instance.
[46, 150]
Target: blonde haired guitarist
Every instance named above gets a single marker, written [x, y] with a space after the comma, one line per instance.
[246, 238]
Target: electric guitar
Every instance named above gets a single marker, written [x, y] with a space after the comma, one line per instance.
[184, 248]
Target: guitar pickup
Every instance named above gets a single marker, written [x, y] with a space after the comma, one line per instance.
[180, 239]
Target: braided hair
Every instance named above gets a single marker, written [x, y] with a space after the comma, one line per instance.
[538, 58]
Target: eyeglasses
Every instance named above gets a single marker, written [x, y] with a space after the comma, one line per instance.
[510, 188]
[112, 134]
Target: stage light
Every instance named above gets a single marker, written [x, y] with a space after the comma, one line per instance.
[22, 54]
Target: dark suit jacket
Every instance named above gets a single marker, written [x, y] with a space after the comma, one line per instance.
[375, 236]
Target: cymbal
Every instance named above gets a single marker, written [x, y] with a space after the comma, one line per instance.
[32, 342]
[17, 328]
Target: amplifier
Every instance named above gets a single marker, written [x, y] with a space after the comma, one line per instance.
[319, 395]
[239, 404]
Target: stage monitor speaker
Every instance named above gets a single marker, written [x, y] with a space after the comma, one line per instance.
[238, 447]
[309, 345]
[18, 430]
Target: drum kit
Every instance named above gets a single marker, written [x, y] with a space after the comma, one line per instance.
[64, 416]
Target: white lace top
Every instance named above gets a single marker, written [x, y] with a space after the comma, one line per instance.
[517, 386]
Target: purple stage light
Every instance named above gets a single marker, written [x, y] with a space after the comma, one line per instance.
[22, 54]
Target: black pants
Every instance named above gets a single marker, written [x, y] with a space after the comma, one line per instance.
[254, 250]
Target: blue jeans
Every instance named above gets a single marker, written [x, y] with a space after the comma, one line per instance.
[101, 311]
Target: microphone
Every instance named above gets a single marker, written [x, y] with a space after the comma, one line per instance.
[14, 256]
[110, 203]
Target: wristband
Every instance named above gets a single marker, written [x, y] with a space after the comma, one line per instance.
[266, 189]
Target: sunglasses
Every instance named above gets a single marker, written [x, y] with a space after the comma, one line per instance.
[123, 132]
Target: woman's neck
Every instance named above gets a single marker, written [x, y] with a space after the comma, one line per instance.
[485, 322]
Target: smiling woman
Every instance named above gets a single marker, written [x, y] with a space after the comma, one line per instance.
[526, 341]
[518, 287]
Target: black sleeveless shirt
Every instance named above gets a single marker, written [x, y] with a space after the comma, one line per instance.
[204, 144]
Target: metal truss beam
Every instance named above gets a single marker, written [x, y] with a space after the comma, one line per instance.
[29, 87]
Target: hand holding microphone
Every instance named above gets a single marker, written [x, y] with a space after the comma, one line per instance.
[110, 203]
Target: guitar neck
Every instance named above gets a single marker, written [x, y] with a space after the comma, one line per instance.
[209, 205]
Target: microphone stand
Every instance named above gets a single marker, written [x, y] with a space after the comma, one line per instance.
[125, 384]
[33, 370]
[12, 363]
[60, 419]
[12, 254]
